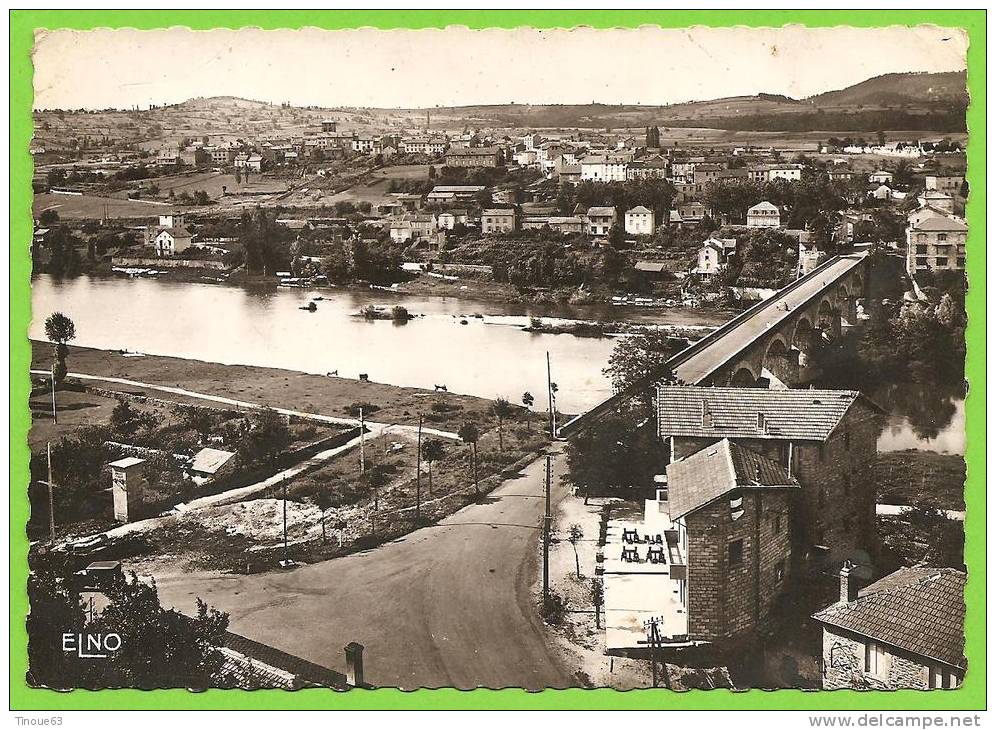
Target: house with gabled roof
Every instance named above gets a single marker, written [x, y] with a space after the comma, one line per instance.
[826, 439]
[904, 631]
[729, 509]
[764, 215]
[639, 221]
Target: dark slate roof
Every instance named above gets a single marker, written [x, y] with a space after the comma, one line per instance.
[796, 414]
[919, 609]
[719, 468]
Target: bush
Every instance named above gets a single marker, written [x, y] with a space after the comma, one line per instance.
[353, 409]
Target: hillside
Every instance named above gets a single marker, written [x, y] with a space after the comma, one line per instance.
[899, 89]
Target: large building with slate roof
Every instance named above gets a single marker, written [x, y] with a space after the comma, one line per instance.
[823, 439]
[905, 631]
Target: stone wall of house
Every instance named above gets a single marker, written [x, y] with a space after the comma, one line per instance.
[728, 601]
[836, 505]
[837, 508]
[843, 664]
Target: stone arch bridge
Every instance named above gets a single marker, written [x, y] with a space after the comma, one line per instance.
[773, 339]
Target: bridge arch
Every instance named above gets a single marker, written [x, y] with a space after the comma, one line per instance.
[805, 339]
[847, 298]
[828, 318]
[781, 360]
[744, 377]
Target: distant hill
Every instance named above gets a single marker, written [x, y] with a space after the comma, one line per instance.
[900, 101]
[913, 101]
[899, 89]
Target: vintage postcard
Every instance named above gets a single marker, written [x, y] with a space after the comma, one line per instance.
[500, 357]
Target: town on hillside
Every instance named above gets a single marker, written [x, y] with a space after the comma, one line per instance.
[347, 397]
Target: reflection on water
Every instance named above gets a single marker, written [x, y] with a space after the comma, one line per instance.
[486, 356]
[929, 417]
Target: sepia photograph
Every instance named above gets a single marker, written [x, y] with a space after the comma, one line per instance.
[552, 358]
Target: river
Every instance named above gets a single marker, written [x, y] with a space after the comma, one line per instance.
[487, 357]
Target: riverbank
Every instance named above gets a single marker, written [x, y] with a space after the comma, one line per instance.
[455, 286]
[332, 396]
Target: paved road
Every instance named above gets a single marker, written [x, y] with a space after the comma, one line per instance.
[447, 606]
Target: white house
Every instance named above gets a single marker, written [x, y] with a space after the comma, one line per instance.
[639, 221]
[792, 173]
[604, 167]
[713, 254]
[170, 241]
[881, 177]
[764, 215]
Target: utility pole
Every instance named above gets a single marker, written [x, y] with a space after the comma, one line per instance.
[547, 520]
[654, 638]
[55, 415]
[51, 499]
[549, 395]
[418, 473]
[363, 462]
[285, 523]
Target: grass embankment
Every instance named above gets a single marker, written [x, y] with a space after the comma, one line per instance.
[920, 478]
[273, 387]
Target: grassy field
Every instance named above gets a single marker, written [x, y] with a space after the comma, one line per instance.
[921, 478]
[96, 206]
[275, 387]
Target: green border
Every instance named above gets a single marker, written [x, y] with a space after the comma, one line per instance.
[971, 696]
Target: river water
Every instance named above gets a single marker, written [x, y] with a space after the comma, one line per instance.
[488, 357]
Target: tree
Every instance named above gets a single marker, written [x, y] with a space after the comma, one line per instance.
[323, 501]
[158, 648]
[527, 401]
[48, 217]
[266, 440]
[61, 330]
[432, 450]
[501, 409]
[618, 453]
[636, 357]
[574, 536]
[469, 433]
[125, 420]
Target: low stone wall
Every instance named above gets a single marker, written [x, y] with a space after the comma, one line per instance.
[158, 263]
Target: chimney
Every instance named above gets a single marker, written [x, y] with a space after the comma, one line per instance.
[848, 585]
[354, 664]
[706, 414]
[762, 423]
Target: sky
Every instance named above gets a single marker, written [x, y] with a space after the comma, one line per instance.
[424, 68]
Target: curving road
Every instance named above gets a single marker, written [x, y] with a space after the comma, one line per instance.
[447, 606]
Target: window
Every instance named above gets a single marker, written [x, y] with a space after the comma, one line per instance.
[778, 523]
[941, 261]
[876, 659]
[921, 250]
[735, 551]
[961, 262]
[941, 678]
[942, 236]
[847, 483]
[780, 571]
[847, 440]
